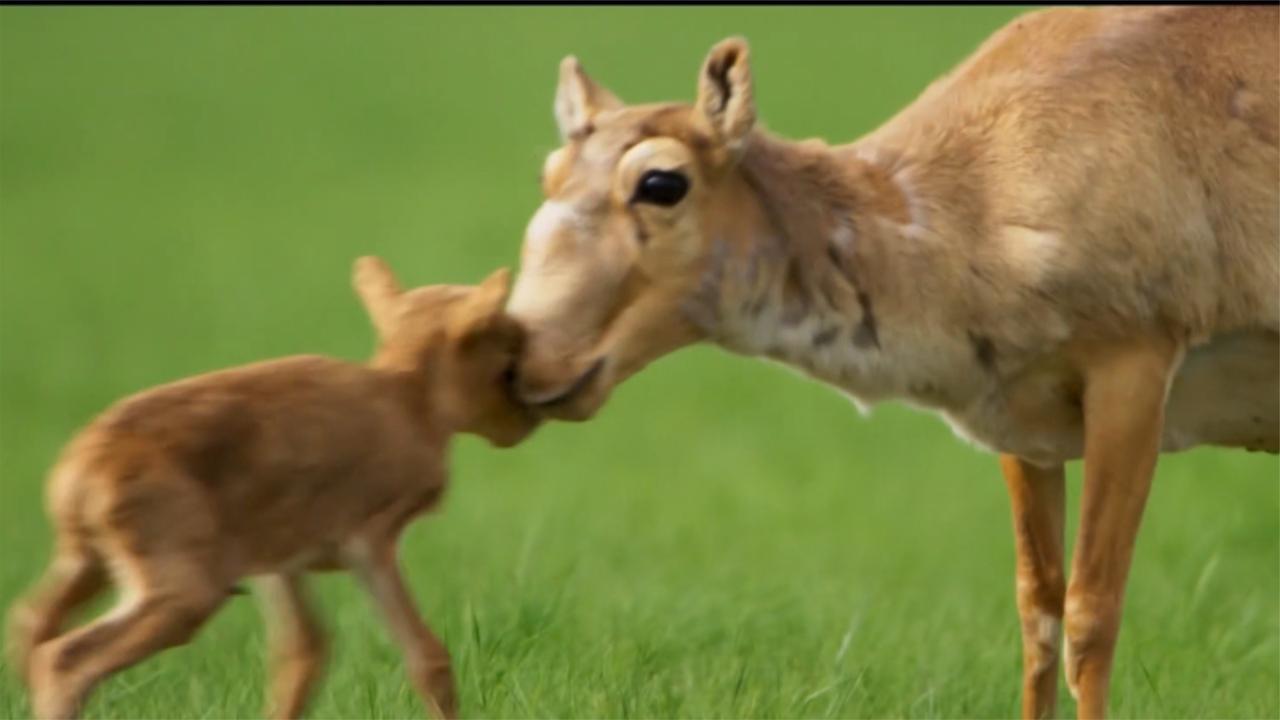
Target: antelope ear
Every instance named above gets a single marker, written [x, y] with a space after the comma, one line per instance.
[726, 100]
[578, 100]
[378, 290]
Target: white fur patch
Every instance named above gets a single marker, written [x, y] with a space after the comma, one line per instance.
[863, 408]
[842, 238]
[537, 286]
[1046, 631]
[960, 427]
[552, 217]
[553, 160]
[1030, 252]
[130, 590]
[1069, 663]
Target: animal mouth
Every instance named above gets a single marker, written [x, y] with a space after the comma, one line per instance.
[511, 386]
[563, 395]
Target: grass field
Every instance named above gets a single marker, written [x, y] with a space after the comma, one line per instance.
[185, 189]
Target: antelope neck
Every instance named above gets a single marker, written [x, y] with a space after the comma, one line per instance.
[818, 283]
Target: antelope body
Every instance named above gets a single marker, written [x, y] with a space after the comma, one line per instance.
[1068, 246]
[268, 470]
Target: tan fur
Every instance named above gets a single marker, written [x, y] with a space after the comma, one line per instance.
[270, 470]
[1091, 184]
[1037, 496]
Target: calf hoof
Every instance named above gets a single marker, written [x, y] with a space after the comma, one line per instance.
[52, 698]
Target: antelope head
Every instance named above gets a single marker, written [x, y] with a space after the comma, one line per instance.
[618, 265]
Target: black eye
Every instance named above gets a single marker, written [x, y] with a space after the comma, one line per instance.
[661, 187]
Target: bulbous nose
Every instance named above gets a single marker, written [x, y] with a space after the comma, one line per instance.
[544, 390]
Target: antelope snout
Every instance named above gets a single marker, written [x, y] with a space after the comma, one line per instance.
[564, 390]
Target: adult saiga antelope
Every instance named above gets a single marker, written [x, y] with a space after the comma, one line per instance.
[1067, 247]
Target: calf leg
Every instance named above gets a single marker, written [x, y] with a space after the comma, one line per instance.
[1123, 411]
[426, 657]
[295, 645]
[155, 533]
[1037, 498]
[163, 602]
[74, 577]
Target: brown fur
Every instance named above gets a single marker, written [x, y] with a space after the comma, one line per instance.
[271, 470]
[1068, 247]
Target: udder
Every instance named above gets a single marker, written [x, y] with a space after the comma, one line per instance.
[1227, 392]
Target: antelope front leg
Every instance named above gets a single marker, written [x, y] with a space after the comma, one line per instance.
[1036, 496]
[1123, 414]
[426, 657]
[295, 645]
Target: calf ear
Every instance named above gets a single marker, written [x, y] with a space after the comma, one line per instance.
[378, 290]
[483, 322]
[483, 304]
[578, 100]
[726, 100]
[490, 296]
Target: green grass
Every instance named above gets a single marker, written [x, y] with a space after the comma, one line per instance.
[185, 189]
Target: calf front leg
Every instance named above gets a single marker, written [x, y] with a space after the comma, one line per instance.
[295, 643]
[426, 657]
[1124, 400]
[1036, 495]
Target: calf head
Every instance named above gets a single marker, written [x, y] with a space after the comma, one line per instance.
[459, 339]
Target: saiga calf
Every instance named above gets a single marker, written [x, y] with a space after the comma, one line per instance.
[270, 470]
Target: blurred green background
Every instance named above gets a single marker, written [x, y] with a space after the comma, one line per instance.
[184, 189]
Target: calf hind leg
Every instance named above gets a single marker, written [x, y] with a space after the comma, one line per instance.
[74, 577]
[159, 541]
[163, 602]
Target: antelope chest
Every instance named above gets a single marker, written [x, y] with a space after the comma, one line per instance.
[1036, 416]
[1225, 392]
